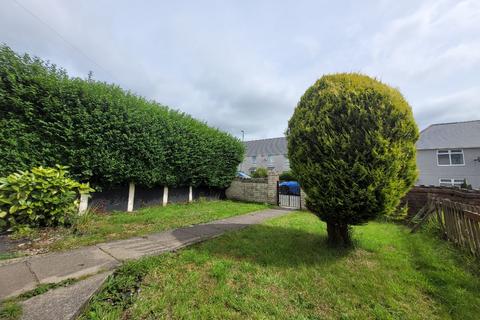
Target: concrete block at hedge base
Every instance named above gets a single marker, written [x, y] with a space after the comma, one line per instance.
[83, 205]
[64, 303]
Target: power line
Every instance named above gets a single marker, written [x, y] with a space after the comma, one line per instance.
[64, 39]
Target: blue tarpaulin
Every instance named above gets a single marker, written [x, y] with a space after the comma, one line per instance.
[293, 187]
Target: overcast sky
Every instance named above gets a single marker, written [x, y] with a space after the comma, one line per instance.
[243, 65]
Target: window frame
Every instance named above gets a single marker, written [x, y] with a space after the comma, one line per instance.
[449, 152]
[254, 160]
[270, 159]
[452, 182]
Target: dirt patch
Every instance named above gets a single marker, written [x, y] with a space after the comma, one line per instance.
[36, 244]
[361, 258]
[8, 245]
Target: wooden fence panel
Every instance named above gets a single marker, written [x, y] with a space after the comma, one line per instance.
[459, 222]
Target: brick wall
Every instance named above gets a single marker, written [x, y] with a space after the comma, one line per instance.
[417, 197]
[254, 190]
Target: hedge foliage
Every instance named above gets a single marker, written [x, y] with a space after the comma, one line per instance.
[287, 176]
[351, 144]
[104, 134]
[40, 197]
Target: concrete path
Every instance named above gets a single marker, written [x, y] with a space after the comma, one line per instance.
[65, 302]
[21, 276]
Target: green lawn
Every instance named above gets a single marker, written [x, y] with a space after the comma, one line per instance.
[120, 225]
[284, 270]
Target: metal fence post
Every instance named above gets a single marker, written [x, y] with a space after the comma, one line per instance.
[278, 193]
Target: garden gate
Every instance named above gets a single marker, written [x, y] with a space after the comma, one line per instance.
[288, 196]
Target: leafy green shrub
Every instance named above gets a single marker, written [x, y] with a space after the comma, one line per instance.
[399, 215]
[351, 144]
[23, 232]
[260, 173]
[39, 198]
[105, 135]
[287, 176]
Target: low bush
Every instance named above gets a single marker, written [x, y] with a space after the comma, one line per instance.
[287, 176]
[351, 143]
[40, 197]
[260, 173]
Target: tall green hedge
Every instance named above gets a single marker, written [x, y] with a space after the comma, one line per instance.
[106, 135]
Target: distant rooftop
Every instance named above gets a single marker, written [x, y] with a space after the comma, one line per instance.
[450, 135]
[273, 146]
[437, 136]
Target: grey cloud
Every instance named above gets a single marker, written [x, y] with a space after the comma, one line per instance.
[244, 65]
[460, 106]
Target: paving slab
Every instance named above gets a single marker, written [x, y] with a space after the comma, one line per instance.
[63, 303]
[173, 238]
[243, 221]
[202, 230]
[52, 268]
[228, 226]
[16, 278]
[132, 248]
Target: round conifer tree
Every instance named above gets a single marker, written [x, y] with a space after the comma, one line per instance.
[351, 144]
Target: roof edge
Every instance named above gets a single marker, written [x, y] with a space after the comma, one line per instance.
[265, 139]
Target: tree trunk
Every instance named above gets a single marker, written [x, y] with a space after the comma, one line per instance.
[338, 234]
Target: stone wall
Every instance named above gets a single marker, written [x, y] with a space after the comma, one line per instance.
[262, 190]
[303, 196]
[417, 197]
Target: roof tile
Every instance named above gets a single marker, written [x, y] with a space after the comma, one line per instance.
[273, 146]
[450, 135]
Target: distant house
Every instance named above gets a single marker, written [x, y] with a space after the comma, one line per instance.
[449, 154]
[265, 153]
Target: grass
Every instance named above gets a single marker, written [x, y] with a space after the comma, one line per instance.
[9, 255]
[95, 228]
[10, 310]
[283, 269]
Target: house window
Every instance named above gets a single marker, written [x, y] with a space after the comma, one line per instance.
[270, 165]
[446, 182]
[254, 159]
[452, 157]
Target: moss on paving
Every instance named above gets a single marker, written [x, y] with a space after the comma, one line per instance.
[283, 269]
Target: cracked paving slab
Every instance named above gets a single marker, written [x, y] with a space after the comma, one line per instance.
[63, 303]
[52, 268]
[15, 279]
